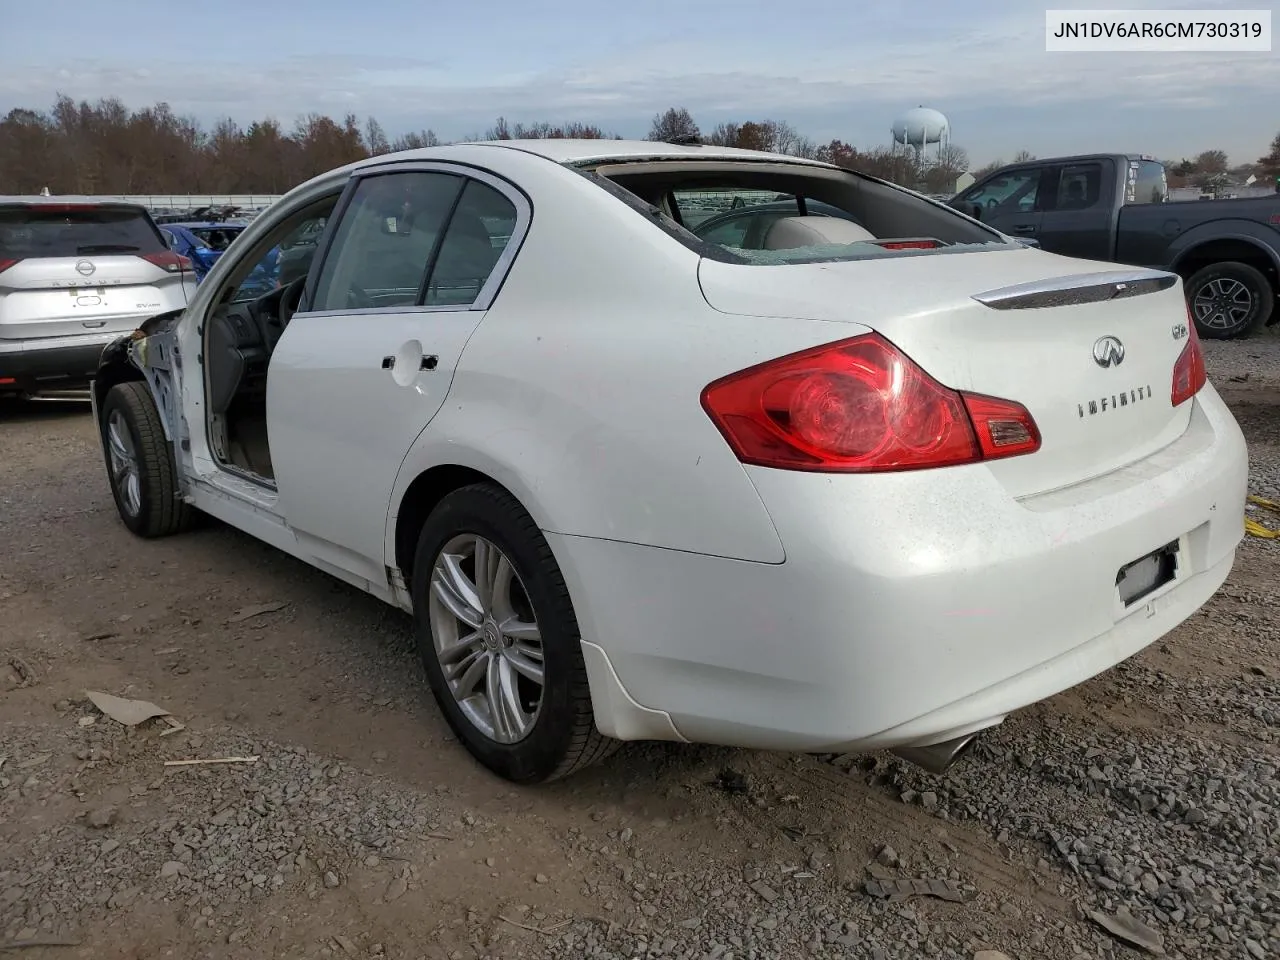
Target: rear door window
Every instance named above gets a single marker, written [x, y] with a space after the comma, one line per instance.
[56, 230]
[1079, 186]
[478, 232]
[385, 240]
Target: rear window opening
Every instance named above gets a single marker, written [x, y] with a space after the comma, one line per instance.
[55, 230]
[779, 213]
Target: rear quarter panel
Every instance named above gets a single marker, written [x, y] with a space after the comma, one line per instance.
[580, 390]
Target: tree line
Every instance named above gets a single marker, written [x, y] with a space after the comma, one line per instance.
[107, 148]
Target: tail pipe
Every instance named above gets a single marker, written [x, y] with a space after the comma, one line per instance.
[937, 758]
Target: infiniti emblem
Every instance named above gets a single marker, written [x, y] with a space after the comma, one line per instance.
[1108, 352]
[85, 267]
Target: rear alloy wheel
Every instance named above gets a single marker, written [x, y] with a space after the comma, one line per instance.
[140, 464]
[499, 639]
[1229, 300]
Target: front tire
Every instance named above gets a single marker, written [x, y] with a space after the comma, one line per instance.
[499, 640]
[140, 463]
[1229, 300]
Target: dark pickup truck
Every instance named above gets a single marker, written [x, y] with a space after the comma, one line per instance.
[1116, 207]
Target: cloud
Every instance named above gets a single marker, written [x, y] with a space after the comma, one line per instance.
[983, 61]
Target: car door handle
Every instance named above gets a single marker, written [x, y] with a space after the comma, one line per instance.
[1024, 228]
[429, 362]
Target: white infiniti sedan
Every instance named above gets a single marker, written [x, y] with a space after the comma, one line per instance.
[856, 483]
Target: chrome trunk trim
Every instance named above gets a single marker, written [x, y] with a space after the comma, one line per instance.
[1077, 289]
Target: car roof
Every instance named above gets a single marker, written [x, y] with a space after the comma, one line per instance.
[582, 151]
[206, 225]
[586, 151]
[576, 152]
[562, 153]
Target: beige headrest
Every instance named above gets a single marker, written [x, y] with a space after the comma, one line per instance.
[791, 232]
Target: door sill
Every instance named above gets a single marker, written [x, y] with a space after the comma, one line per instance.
[244, 487]
[243, 474]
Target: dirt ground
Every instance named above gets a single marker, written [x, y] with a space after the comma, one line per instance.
[362, 829]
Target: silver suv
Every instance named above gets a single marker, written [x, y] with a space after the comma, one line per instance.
[75, 274]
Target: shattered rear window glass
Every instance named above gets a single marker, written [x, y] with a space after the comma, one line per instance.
[860, 250]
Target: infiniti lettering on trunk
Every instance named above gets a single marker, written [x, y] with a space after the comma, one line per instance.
[1113, 402]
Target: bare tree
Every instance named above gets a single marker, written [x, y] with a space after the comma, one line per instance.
[724, 135]
[676, 124]
[1022, 156]
[1211, 161]
[375, 138]
[940, 177]
[416, 141]
[805, 148]
[1270, 164]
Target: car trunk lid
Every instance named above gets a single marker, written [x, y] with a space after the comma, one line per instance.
[1088, 350]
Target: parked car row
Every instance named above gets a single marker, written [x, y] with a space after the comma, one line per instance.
[841, 469]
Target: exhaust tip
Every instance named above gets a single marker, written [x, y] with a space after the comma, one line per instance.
[937, 758]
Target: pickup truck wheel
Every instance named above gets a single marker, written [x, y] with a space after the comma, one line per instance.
[498, 637]
[1229, 299]
[140, 463]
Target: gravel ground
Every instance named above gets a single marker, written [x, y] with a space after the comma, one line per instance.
[362, 829]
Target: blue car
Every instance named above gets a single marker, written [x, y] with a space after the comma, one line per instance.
[202, 242]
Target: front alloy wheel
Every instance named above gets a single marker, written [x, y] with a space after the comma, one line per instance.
[486, 638]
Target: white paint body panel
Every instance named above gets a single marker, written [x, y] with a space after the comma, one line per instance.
[752, 606]
[339, 423]
[910, 609]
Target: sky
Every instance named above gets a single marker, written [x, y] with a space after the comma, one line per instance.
[832, 68]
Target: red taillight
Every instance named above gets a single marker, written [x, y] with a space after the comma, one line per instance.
[859, 406]
[168, 260]
[1005, 428]
[1188, 373]
[5, 264]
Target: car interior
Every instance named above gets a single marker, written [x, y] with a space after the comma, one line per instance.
[680, 190]
[429, 240]
[253, 309]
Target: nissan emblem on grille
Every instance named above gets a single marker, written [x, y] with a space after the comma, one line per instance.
[85, 267]
[1108, 352]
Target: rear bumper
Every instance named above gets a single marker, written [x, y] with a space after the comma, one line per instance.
[56, 363]
[910, 609]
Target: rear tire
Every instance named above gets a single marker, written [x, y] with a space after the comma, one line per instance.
[1229, 300]
[140, 463]
[520, 625]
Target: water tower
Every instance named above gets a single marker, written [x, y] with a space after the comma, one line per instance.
[925, 132]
